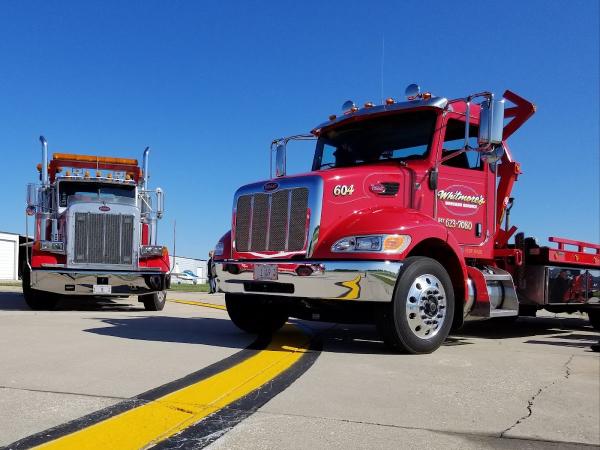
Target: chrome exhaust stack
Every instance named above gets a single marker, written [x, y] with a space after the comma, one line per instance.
[44, 161]
[145, 164]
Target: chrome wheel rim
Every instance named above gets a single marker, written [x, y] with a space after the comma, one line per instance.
[426, 306]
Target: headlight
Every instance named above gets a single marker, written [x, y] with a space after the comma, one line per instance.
[54, 247]
[384, 243]
[219, 248]
[147, 251]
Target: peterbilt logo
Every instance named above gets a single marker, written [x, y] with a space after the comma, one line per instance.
[104, 208]
[461, 200]
[271, 186]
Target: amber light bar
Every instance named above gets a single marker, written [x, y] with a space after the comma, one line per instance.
[94, 159]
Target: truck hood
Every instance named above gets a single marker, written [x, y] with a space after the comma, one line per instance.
[333, 195]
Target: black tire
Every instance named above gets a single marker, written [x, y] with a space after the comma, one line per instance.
[37, 300]
[254, 314]
[527, 310]
[420, 330]
[155, 301]
[594, 317]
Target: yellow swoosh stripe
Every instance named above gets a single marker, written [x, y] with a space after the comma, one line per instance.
[155, 421]
[206, 305]
[354, 287]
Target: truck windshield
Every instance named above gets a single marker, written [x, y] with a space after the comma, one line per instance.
[401, 136]
[90, 191]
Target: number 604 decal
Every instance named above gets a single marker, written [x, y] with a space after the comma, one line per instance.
[343, 189]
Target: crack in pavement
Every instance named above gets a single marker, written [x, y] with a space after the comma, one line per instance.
[433, 430]
[12, 388]
[531, 401]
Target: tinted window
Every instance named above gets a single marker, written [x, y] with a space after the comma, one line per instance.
[401, 136]
[455, 140]
[92, 191]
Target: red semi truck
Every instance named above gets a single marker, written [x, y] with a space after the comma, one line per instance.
[95, 232]
[402, 222]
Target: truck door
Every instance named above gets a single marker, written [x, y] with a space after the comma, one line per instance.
[463, 185]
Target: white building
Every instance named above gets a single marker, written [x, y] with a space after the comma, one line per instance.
[181, 264]
[9, 256]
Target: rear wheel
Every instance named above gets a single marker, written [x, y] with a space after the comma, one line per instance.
[37, 300]
[254, 314]
[594, 317]
[419, 317]
[155, 301]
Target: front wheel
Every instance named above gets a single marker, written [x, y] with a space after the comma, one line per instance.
[253, 314]
[420, 315]
[155, 301]
[594, 317]
[37, 300]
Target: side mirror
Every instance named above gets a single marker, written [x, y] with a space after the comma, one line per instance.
[160, 203]
[32, 194]
[491, 123]
[280, 160]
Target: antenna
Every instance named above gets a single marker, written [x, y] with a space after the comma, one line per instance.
[382, 62]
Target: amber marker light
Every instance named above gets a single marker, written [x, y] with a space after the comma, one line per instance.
[389, 101]
[332, 117]
[95, 159]
[369, 105]
[426, 95]
[354, 109]
[98, 174]
[395, 243]
[86, 174]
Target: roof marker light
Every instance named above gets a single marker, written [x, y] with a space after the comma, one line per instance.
[389, 101]
[347, 106]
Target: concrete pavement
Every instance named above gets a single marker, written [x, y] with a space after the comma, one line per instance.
[532, 385]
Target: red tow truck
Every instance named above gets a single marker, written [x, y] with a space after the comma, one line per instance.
[403, 221]
[95, 232]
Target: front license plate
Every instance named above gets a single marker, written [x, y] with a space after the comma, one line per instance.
[265, 272]
[102, 289]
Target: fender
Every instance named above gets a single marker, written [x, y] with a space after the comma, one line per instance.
[393, 220]
[226, 240]
[389, 220]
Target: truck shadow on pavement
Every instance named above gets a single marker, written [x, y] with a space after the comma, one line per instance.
[523, 327]
[183, 330]
[14, 301]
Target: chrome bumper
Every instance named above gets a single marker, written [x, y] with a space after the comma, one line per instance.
[369, 281]
[68, 282]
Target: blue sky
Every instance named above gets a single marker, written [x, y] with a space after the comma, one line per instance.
[208, 85]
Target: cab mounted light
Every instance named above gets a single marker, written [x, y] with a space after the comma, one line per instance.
[95, 159]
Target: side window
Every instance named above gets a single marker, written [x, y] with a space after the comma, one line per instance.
[454, 141]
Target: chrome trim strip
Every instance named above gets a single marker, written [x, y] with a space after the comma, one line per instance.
[122, 282]
[367, 281]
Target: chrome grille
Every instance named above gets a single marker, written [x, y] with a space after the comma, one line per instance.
[272, 221]
[103, 239]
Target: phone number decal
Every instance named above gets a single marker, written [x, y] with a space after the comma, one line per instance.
[454, 223]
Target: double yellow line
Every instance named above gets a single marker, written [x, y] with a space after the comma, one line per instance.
[159, 419]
